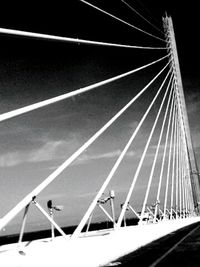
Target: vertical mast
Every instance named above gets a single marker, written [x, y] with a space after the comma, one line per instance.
[172, 49]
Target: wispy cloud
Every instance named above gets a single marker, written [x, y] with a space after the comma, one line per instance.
[11, 159]
[47, 152]
[108, 155]
[54, 150]
[50, 150]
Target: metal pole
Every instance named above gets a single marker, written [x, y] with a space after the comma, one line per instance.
[134, 211]
[50, 208]
[89, 222]
[52, 227]
[23, 223]
[50, 219]
[106, 213]
[112, 196]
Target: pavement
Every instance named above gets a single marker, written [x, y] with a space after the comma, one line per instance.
[180, 248]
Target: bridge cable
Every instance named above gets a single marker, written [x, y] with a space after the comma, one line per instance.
[188, 191]
[185, 169]
[189, 186]
[177, 168]
[71, 40]
[157, 146]
[144, 8]
[183, 129]
[26, 200]
[169, 161]
[160, 138]
[179, 177]
[140, 164]
[141, 16]
[124, 22]
[182, 174]
[184, 154]
[164, 154]
[183, 182]
[113, 170]
[173, 168]
[17, 112]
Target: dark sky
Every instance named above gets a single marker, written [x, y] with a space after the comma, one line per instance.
[33, 145]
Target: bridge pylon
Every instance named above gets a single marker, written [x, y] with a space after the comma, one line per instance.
[193, 170]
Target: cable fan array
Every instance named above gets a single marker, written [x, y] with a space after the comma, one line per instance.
[171, 153]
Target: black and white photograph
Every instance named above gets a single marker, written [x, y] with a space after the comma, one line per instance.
[99, 134]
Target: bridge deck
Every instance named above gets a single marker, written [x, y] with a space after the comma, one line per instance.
[180, 248]
[94, 250]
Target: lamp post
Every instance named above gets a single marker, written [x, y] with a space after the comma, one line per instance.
[51, 208]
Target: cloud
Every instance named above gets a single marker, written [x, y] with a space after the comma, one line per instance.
[50, 150]
[108, 155]
[10, 159]
[47, 152]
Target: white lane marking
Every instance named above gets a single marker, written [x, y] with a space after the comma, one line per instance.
[172, 248]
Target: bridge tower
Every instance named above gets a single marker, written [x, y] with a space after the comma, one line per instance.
[193, 168]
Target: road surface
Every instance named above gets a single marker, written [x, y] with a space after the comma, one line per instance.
[180, 248]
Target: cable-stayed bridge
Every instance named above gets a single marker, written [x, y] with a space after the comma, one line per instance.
[170, 197]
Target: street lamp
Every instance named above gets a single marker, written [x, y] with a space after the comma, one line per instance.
[51, 208]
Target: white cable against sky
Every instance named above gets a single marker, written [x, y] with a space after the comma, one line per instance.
[113, 170]
[177, 168]
[26, 200]
[173, 168]
[186, 195]
[157, 148]
[159, 142]
[188, 182]
[141, 16]
[183, 123]
[139, 165]
[51, 37]
[169, 161]
[124, 22]
[17, 112]
[180, 177]
[183, 185]
[186, 188]
[183, 178]
[164, 154]
[185, 144]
